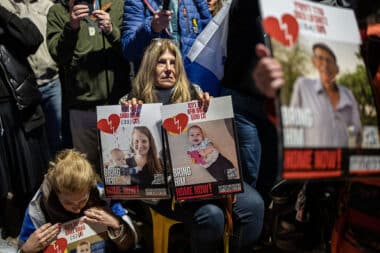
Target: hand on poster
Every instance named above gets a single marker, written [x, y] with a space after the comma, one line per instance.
[268, 73]
[204, 100]
[132, 101]
[101, 216]
[41, 238]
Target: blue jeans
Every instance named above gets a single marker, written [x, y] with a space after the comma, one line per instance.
[52, 107]
[207, 221]
[249, 142]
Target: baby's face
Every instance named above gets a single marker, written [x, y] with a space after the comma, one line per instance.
[85, 248]
[118, 158]
[195, 136]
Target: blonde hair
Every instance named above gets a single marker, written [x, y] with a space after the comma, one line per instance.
[144, 84]
[71, 172]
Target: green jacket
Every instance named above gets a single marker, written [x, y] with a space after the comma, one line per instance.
[92, 68]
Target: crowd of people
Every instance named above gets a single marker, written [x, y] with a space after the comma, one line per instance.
[82, 54]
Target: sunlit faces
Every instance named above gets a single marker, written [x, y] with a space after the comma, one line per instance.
[211, 4]
[73, 201]
[326, 65]
[140, 143]
[195, 135]
[165, 71]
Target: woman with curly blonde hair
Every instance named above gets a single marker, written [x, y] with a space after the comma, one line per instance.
[69, 191]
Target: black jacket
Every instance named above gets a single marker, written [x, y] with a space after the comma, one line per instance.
[244, 33]
[21, 38]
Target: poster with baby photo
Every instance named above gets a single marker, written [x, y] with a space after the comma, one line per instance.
[202, 149]
[132, 151]
[329, 121]
[77, 236]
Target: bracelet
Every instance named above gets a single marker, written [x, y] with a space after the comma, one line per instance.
[116, 232]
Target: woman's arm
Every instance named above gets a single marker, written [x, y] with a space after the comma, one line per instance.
[40, 238]
[22, 34]
[137, 30]
[60, 37]
[204, 13]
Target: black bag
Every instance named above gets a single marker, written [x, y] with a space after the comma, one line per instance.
[20, 79]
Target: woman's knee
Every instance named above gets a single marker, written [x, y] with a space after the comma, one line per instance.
[211, 216]
[249, 206]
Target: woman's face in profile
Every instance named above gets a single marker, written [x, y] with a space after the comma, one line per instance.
[73, 202]
[165, 74]
[140, 143]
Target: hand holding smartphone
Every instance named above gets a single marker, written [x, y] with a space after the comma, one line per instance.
[165, 4]
[89, 3]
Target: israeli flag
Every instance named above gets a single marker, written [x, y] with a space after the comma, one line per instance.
[205, 60]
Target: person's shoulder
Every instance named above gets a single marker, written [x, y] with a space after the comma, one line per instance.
[100, 189]
[42, 6]
[345, 91]
[34, 210]
[116, 5]
[304, 82]
[305, 79]
[130, 161]
[343, 88]
[58, 9]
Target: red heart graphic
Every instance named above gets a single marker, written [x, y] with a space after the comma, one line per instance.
[176, 124]
[58, 246]
[287, 34]
[109, 126]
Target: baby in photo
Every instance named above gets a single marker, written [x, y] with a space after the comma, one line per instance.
[203, 153]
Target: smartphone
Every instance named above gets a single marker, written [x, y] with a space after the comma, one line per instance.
[90, 4]
[165, 4]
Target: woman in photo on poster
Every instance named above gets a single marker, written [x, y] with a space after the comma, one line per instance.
[148, 168]
[162, 78]
[203, 152]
